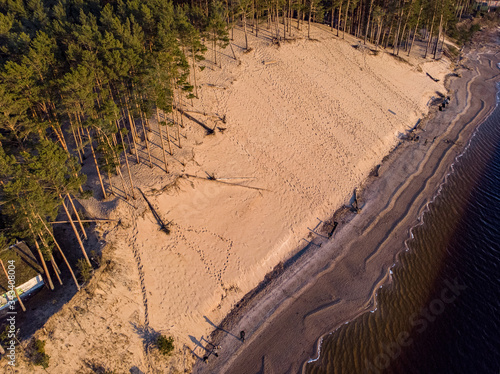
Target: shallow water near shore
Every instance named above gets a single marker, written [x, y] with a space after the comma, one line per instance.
[440, 312]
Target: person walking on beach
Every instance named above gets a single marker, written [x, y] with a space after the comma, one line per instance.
[242, 336]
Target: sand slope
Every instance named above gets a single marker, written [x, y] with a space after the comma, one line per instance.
[305, 131]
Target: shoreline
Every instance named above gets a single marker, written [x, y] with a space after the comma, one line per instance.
[420, 220]
[293, 296]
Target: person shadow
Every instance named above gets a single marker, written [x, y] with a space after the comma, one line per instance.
[197, 344]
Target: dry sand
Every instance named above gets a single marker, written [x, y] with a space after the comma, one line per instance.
[302, 133]
[338, 281]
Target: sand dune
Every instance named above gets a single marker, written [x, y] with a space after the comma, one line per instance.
[303, 132]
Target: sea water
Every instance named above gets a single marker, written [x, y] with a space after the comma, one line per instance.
[441, 313]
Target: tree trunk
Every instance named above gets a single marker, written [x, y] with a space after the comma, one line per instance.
[132, 130]
[168, 138]
[253, 16]
[290, 17]
[332, 14]
[430, 34]
[345, 20]
[128, 168]
[54, 266]
[460, 14]
[161, 138]
[77, 216]
[406, 21]
[59, 134]
[444, 35]
[117, 159]
[245, 29]
[277, 22]
[298, 17]
[79, 131]
[284, 21]
[215, 48]
[74, 230]
[368, 22]
[96, 165]
[76, 139]
[181, 124]
[379, 33]
[194, 71]
[61, 252]
[360, 13]
[340, 17]
[309, 19]
[111, 190]
[146, 139]
[389, 34]
[439, 35]
[257, 14]
[44, 264]
[396, 37]
[415, 31]
[119, 172]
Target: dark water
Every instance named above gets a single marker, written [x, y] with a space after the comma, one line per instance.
[441, 313]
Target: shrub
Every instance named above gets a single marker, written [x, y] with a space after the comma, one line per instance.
[96, 258]
[38, 355]
[85, 269]
[165, 344]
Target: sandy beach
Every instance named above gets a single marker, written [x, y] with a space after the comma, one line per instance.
[338, 281]
[298, 126]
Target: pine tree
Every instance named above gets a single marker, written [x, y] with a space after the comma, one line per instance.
[217, 30]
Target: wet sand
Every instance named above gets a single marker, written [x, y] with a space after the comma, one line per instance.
[336, 279]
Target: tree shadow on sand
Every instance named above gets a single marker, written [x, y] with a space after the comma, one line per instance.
[220, 328]
[148, 335]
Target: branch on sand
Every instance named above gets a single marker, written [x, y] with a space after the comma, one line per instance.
[87, 220]
[212, 178]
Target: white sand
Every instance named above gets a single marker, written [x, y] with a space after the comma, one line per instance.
[308, 129]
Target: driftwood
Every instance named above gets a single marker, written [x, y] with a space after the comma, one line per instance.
[216, 86]
[211, 177]
[430, 76]
[269, 62]
[334, 226]
[235, 178]
[355, 206]
[163, 225]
